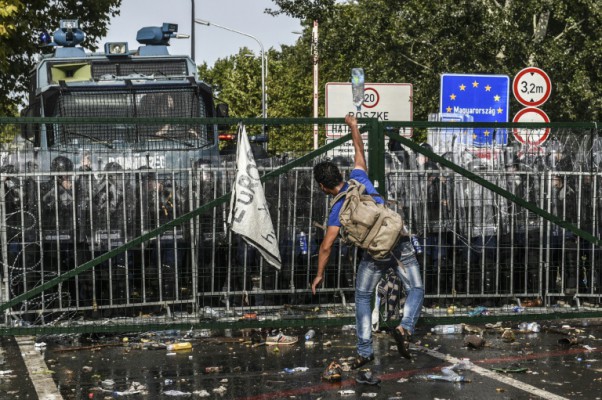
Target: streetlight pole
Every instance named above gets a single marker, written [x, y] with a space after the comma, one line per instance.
[314, 50]
[263, 67]
[192, 26]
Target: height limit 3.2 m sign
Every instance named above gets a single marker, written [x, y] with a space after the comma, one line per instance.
[531, 87]
[384, 101]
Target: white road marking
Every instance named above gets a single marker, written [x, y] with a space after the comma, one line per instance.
[38, 371]
[495, 376]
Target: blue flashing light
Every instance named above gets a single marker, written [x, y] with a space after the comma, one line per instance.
[45, 38]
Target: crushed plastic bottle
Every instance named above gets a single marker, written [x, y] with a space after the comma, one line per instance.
[357, 87]
[448, 375]
[310, 334]
[179, 346]
[177, 393]
[296, 369]
[447, 329]
[478, 311]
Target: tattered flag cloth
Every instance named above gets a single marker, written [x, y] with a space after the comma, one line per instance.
[249, 213]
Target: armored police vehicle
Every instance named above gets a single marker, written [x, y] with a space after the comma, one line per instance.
[120, 83]
[117, 159]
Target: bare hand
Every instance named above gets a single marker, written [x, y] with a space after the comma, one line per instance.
[350, 120]
[315, 283]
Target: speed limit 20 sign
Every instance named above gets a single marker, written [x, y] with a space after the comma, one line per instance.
[532, 87]
[383, 101]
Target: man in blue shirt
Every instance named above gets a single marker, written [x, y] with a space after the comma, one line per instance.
[370, 270]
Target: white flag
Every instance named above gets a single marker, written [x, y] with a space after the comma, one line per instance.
[249, 213]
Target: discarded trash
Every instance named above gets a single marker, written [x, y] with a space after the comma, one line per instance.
[518, 309]
[310, 334]
[510, 370]
[464, 365]
[210, 312]
[478, 311]
[108, 384]
[569, 341]
[296, 369]
[220, 390]
[40, 345]
[346, 392]
[281, 339]
[529, 327]
[333, 372]
[451, 310]
[447, 329]
[531, 303]
[6, 372]
[213, 370]
[348, 328]
[508, 335]
[179, 346]
[369, 394]
[177, 393]
[201, 393]
[473, 329]
[474, 341]
[448, 375]
[168, 382]
[86, 368]
[309, 343]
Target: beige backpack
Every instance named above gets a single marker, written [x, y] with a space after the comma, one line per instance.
[368, 224]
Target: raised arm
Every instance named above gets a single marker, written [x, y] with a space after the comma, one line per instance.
[358, 143]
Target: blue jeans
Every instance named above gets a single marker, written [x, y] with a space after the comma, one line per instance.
[368, 275]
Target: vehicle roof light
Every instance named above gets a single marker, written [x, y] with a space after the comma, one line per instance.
[116, 49]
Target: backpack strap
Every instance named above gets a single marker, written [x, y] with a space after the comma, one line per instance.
[341, 194]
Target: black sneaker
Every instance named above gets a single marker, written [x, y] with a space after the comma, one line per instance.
[403, 343]
[360, 361]
[366, 377]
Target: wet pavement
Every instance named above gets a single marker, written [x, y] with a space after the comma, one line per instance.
[229, 365]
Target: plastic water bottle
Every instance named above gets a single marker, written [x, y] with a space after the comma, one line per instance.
[447, 329]
[416, 244]
[310, 334]
[303, 243]
[357, 87]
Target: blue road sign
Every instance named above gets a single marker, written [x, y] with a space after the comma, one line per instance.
[485, 97]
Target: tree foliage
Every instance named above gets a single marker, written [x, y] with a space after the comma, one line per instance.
[415, 41]
[19, 33]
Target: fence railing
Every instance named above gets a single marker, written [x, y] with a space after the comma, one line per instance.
[150, 245]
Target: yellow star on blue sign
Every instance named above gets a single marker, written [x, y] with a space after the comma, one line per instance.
[485, 97]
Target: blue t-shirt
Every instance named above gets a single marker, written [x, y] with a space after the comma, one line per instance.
[362, 177]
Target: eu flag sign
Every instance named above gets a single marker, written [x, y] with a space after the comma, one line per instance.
[484, 97]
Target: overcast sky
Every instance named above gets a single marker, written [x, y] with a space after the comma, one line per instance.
[246, 16]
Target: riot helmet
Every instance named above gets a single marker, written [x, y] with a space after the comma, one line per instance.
[61, 164]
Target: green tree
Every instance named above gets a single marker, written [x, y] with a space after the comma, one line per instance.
[416, 41]
[19, 32]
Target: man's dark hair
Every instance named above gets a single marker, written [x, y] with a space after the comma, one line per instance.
[328, 174]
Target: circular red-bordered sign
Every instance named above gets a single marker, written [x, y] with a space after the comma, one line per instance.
[528, 136]
[371, 98]
[532, 87]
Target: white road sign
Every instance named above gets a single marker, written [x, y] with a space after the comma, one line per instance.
[385, 101]
[533, 137]
[531, 87]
